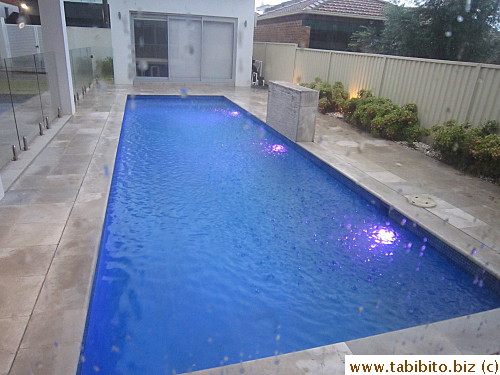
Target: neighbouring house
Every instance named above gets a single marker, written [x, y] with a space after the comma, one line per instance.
[87, 26]
[8, 7]
[322, 24]
[79, 13]
[182, 41]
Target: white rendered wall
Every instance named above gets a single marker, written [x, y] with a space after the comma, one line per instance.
[97, 38]
[121, 36]
[80, 37]
[56, 40]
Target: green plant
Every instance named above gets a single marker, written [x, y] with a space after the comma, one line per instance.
[105, 67]
[475, 150]
[339, 96]
[410, 107]
[325, 106]
[486, 154]
[382, 118]
[332, 97]
[364, 93]
[453, 142]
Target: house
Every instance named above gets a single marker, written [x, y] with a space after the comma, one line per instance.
[182, 41]
[189, 41]
[77, 13]
[322, 24]
[8, 7]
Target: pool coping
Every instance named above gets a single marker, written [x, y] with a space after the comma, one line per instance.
[95, 185]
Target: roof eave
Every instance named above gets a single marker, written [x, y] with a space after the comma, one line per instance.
[11, 2]
[376, 18]
[323, 14]
[263, 17]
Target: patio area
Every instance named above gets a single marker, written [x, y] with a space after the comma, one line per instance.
[52, 215]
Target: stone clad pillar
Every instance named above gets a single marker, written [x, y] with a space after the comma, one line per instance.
[291, 110]
[55, 40]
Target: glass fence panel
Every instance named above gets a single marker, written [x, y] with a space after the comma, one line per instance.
[102, 63]
[73, 58]
[8, 131]
[46, 67]
[81, 68]
[24, 87]
[90, 67]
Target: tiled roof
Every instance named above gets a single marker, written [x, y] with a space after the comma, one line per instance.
[373, 9]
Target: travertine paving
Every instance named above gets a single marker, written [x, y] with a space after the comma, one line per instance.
[51, 220]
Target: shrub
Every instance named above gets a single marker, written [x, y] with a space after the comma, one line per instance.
[475, 150]
[486, 154]
[105, 67]
[339, 96]
[363, 93]
[382, 118]
[332, 97]
[325, 106]
[365, 110]
[398, 125]
[410, 107]
[453, 142]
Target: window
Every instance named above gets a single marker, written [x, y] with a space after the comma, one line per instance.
[151, 48]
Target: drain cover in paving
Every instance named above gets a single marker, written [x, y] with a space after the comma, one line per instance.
[422, 200]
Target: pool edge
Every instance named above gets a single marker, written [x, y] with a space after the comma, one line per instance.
[117, 109]
[431, 339]
[413, 338]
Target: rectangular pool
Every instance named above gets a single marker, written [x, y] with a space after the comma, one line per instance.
[223, 243]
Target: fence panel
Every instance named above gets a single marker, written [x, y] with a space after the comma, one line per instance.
[485, 103]
[310, 64]
[23, 41]
[441, 90]
[259, 51]
[356, 71]
[278, 65]
[8, 130]
[26, 98]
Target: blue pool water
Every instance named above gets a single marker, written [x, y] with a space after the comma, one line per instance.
[223, 244]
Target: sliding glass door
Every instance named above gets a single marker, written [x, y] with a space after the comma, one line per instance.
[184, 48]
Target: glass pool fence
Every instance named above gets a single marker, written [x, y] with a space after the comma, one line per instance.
[29, 98]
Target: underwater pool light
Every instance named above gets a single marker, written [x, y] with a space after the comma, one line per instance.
[383, 236]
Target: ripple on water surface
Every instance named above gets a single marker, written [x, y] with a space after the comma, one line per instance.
[223, 244]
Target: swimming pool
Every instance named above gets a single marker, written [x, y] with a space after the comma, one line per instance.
[223, 243]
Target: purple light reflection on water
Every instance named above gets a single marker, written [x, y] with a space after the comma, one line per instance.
[277, 148]
[273, 149]
[381, 239]
[371, 242]
[383, 236]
